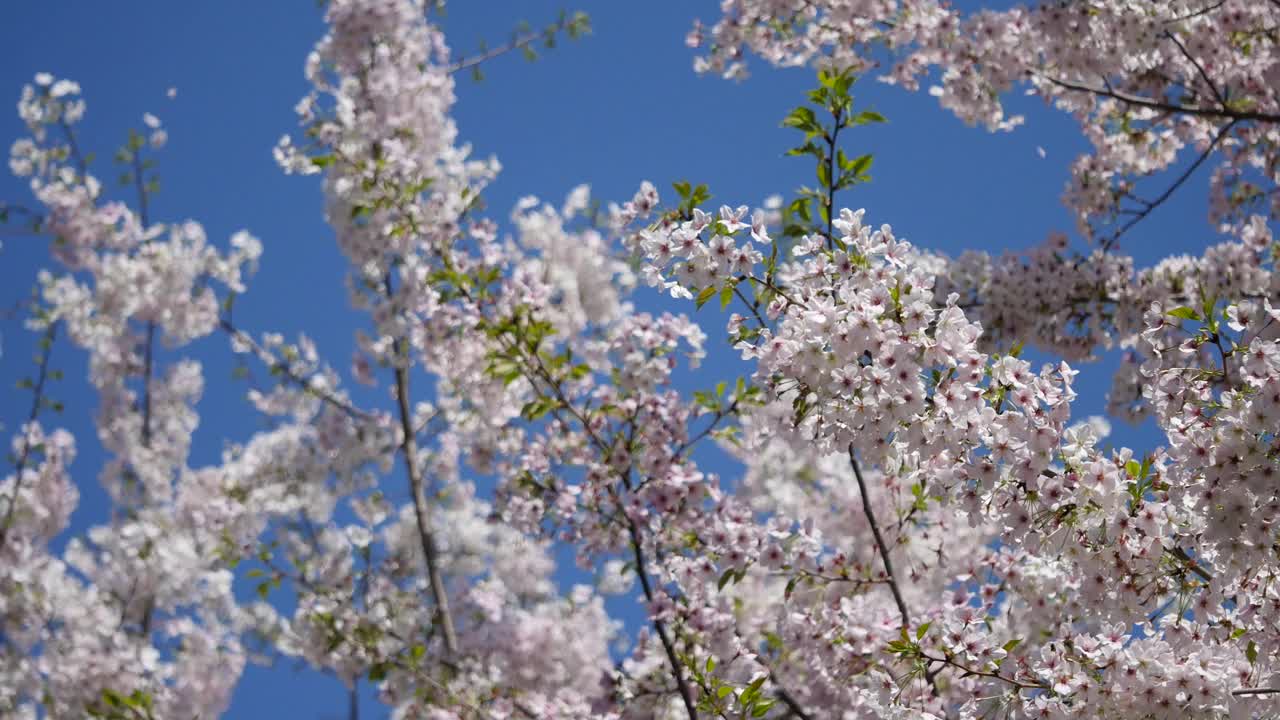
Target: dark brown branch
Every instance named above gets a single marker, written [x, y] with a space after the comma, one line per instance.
[686, 694]
[1139, 101]
[875, 531]
[796, 709]
[948, 662]
[1191, 564]
[1222, 101]
[1148, 207]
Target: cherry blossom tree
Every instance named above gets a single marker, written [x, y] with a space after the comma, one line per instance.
[920, 528]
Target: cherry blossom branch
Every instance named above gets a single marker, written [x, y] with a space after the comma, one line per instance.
[875, 531]
[946, 660]
[794, 708]
[148, 368]
[36, 401]
[34, 219]
[574, 24]
[73, 146]
[686, 694]
[1140, 101]
[540, 372]
[1199, 68]
[1149, 206]
[1191, 563]
[288, 373]
[409, 448]
[754, 307]
[1256, 691]
[1197, 13]
[715, 421]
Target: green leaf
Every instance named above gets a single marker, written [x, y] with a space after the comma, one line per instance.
[535, 409]
[1185, 313]
[859, 165]
[726, 295]
[1251, 652]
[725, 577]
[322, 160]
[809, 148]
[378, 672]
[920, 631]
[791, 586]
[706, 294]
[867, 116]
[802, 118]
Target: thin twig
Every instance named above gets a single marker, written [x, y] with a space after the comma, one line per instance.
[947, 661]
[517, 43]
[288, 373]
[81, 163]
[831, 179]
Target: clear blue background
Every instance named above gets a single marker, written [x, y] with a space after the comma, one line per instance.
[618, 107]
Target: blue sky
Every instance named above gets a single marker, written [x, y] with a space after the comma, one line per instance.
[615, 108]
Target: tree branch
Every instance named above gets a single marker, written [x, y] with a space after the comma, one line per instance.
[875, 530]
[518, 43]
[421, 511]
[295, 378]
[1139, 101]
[686, 694]
[1191, 564]
[1148, 207]
[36, 401]
[1199, 68]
